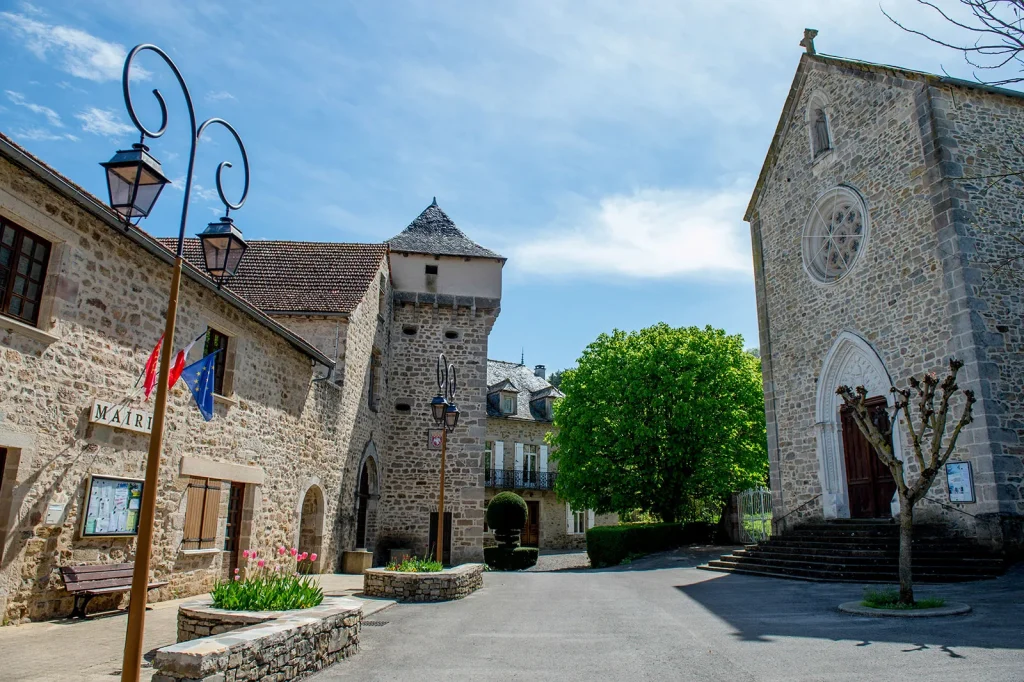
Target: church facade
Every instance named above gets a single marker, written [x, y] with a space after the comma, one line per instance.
[877, 257]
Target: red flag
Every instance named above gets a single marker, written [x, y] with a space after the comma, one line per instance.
[179, 362]
[151, 363]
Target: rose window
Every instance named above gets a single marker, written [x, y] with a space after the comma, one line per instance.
[835, 234]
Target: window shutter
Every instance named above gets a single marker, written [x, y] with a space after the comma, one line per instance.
[211, 512]
[568, 519]
[519, 457]
[499, 454]
[543, 458]
[590, 518]
[194, 500]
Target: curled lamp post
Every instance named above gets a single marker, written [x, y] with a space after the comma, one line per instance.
[446, 415]
[135, 180]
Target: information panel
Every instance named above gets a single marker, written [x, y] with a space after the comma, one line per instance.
[112, 506]
[960, 480]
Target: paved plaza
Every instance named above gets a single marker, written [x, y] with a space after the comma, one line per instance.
[660, 619]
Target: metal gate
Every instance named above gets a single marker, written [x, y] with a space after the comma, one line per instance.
[755, 514]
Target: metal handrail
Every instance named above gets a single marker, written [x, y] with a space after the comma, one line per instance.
[517, 479]
[796, 509]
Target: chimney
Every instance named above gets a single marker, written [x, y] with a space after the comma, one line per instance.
[540, 371]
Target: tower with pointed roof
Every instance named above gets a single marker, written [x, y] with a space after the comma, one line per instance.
[446, 292]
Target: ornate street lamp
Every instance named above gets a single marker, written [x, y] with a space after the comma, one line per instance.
[446, 415]
[135, 180]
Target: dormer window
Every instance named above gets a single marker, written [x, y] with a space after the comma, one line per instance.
[508, 402]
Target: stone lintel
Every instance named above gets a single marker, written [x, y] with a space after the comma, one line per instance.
[222, 471]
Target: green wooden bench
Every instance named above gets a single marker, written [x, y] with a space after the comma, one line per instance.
[86, 582]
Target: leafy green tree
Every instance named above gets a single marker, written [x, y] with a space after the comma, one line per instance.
[556, 378]
[659, 417]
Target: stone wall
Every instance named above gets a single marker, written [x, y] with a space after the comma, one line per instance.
[452, 583]
[287, 645]
[105, 297]
[409, 485]
[901, 297]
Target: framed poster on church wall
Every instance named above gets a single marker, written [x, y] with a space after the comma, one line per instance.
[112, 506]
[960, 480]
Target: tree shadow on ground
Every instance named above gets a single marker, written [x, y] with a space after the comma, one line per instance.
[762, 609]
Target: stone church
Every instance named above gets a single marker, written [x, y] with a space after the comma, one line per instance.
[878, 255]
[320, 437]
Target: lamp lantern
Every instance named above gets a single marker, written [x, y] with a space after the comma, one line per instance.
[223, 248]
[438, 407]
[451, 417]
[134, 181]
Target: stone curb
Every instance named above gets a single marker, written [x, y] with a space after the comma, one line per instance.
[950, 609]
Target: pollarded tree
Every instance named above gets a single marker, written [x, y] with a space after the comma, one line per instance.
[929, 446]
[657, 418]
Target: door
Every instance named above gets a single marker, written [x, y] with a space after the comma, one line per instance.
[530, 536]
[233, 525]
[869, 483]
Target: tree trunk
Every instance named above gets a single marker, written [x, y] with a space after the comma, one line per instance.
[906, 542]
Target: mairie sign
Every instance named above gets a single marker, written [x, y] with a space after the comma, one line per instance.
[120, 416]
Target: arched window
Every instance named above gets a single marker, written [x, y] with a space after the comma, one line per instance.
[835, 234]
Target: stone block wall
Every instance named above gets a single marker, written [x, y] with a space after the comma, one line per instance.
[105, 298]
[409, 485]
[453, 583]
[287, 646]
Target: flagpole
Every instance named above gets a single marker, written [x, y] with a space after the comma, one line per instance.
[132, 662]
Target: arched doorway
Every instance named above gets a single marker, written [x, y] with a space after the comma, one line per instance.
[367, 494]
[853, 362]
[311, 528]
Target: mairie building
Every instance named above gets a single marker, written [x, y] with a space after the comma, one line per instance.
[322, 427]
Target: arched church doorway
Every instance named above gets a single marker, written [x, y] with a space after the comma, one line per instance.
[367, 494]
[854, 482]
[311, 528]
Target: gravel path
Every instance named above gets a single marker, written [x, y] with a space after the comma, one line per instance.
[561, 561]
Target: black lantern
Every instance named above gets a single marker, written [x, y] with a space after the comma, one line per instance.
[438, 406]
[134, 181]
[451, 417]
[223, 248]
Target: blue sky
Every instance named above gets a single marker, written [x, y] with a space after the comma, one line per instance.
[608, 149]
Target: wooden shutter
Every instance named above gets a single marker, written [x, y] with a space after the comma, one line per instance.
[498, 455]
[543, 458]
[201, 511]
[590, 518]
[211, 510]
[519, 457]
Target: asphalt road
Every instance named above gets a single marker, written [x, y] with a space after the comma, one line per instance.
[660, 619]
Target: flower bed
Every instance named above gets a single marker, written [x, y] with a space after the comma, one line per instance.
[451, 583]
[276, 584]
[250, 645]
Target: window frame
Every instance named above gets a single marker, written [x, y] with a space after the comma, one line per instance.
[8, 279]
[513, 400]
[214, 339]
[575, 516]
[373, 390]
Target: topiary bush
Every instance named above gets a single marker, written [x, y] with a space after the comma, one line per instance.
[506, 516]
[609, 545]
[510, 559]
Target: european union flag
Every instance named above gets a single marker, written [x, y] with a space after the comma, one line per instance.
[199, 378]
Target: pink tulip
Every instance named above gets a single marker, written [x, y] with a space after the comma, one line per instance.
[312, 557]
[302, 557]
[236, 571]
[294, 551]
[261, 563]
[252, 554]
[237, 577]
[281, 550]
[245, 553]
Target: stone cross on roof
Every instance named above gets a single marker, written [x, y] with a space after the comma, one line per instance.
[808, 42]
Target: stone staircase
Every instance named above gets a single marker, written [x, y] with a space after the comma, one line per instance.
[861, 551]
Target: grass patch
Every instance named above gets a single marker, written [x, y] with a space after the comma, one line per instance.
[415, 565]
[890, 599]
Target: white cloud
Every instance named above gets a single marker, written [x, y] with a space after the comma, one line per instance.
[103, 122]
[51, 116]
[219, 96]
[42, 135]
[83, 54]
[649, 234]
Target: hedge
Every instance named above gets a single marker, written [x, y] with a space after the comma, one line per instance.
[609, 545]
[505, 559]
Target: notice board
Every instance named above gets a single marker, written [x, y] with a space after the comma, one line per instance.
[112, 506]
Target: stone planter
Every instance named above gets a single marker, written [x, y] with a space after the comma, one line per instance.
[451, 583]
[355, 562]
[257, 645]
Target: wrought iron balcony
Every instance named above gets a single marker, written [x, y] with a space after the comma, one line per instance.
[516, 479]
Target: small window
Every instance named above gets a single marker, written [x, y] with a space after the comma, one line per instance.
[431, 269]
[410, 329]
[451, 335]
[508, 403]
[404, 408]
[577, 522]
[217, 341]
[23, 260]
[374, 391]
[201, 513]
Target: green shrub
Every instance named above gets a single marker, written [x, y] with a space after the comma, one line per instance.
[506, 516]
[508, 559]
[414, 565]
[609, 545]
